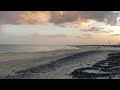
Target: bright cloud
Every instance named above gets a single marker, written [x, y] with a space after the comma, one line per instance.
[59, 27]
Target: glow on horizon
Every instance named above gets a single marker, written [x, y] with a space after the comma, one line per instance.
[55, 33]
[26, 30]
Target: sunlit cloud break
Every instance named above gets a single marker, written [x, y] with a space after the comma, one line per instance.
[56, 17]
[59, 27]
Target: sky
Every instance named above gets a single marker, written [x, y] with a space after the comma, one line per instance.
[60, 27]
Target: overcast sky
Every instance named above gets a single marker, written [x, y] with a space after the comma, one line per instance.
[59, 27]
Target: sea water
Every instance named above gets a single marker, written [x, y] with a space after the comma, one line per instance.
[32, 48]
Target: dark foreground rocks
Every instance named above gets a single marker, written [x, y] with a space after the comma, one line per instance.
[106, 69]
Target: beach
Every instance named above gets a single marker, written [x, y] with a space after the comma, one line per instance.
[56, 64]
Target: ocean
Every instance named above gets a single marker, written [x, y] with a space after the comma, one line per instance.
[32, 48]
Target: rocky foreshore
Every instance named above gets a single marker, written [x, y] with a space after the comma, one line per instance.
[105, 69]
[59, 68]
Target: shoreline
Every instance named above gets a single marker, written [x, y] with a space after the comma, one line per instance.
[105, 69]
[59, 68]
[57, 64]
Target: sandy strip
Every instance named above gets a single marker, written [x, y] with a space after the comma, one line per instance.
[82, 60]
[57, 64]
[11, 62]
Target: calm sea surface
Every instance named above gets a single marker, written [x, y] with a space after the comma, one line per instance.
[31, 48]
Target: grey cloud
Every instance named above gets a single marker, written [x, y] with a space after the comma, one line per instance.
[84, 36]
[92, 29]
[56, 36]
[96, 30]
[9, 17]
[106, 31]
[22, 17]
[115, 35]
[70, 16]
[100, 16]
[56, 17]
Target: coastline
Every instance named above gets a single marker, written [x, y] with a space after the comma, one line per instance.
[105, 69]
[18, 61]
[57, 64]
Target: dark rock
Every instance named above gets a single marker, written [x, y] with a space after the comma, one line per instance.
[109, 68]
